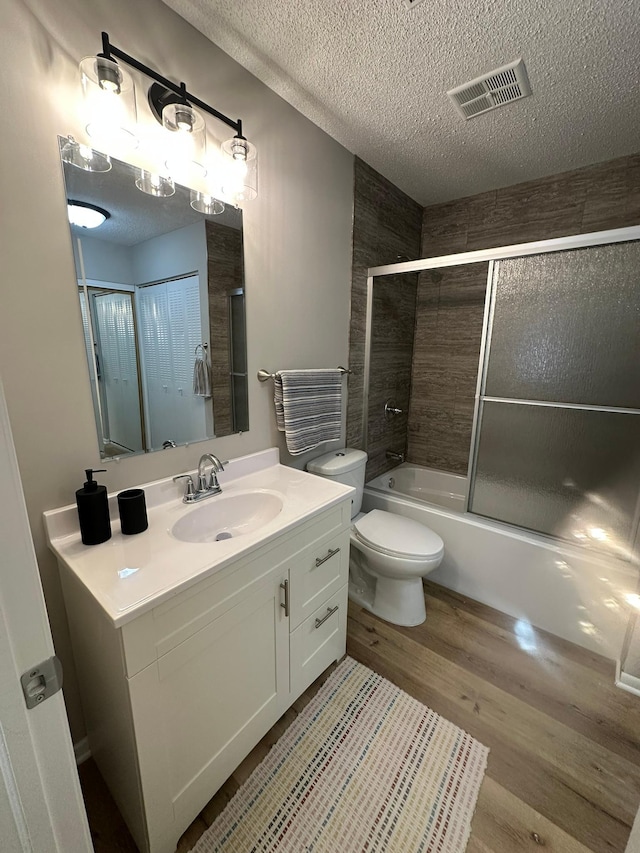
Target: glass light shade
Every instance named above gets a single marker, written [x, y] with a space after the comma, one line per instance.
[155, 184]
[84, 157]
[85, 215]
[207, 204]
[109, 104]
[186, 143]
[239, 170]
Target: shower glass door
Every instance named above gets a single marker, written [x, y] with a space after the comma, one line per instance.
[557, 446]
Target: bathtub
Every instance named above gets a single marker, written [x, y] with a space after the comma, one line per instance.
[425, 485]
[572, 592]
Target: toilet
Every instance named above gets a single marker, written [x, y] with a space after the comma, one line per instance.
[390, 554]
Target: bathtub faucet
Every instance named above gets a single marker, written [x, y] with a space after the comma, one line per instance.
[394, 457]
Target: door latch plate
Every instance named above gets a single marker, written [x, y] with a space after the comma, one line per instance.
[41, 681]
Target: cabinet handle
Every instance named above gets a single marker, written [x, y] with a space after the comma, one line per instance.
[285, 586]
[321, 560]
[330, 612]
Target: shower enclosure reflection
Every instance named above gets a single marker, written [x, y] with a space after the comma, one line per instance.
[157, 282]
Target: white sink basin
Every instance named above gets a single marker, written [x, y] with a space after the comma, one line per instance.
[226, 517]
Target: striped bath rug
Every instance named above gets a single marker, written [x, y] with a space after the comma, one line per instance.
[364, 767]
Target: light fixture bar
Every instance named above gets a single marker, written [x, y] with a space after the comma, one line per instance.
[110, 50]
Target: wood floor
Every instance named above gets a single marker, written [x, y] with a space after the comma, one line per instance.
[564, 764]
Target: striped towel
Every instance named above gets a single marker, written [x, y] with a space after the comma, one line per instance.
[308, 407]
[202, 373]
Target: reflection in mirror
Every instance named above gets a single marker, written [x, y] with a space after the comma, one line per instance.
[162, 301]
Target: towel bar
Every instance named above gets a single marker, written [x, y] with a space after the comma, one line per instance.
[264, 375]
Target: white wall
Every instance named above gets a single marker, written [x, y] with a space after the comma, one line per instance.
[297, 245]
[104, 261]
[174, 254]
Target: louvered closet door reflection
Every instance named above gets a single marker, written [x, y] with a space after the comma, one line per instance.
[153, 317]
[558, 438]
[170, 322]
[186, 333]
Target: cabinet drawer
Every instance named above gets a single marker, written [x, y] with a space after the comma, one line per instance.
[318, 573]
[320, 640]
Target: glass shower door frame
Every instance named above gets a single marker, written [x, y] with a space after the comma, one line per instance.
[603, 238]
[539, 247]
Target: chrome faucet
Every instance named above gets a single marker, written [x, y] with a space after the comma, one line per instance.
[207, 485]
[394, 456]
[189, 491]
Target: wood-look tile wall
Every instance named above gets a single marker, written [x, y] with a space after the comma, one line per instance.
[394, 314]
[224, 264]
[450, 309]
[448, 331]
[450, 305]
[386, 229]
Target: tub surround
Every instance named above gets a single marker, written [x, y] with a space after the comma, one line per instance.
[386, 227]
[444, 372]
[188, 653]
[449, 311]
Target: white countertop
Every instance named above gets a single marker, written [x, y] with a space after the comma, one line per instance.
[128, 575]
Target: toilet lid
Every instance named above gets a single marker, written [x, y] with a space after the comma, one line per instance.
[386, 531]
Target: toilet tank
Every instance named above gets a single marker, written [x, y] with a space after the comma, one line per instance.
[344, 466]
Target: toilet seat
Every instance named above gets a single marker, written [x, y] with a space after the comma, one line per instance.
[397, 536]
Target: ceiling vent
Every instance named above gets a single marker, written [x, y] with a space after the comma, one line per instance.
[495, 89]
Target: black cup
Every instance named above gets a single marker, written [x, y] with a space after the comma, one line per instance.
[133, 511]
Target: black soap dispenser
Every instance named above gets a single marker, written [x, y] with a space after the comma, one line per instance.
[93, 510]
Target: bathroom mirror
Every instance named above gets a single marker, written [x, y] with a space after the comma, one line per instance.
[162, 302]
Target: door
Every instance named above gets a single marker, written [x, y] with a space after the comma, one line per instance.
[41, 808]
[170, 328]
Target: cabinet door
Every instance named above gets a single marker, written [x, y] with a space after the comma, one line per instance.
[200, 709]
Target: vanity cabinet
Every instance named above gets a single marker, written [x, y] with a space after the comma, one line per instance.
[177, 697]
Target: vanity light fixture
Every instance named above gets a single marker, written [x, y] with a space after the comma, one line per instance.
[186, 143]
[155, 184]
[84, 157]
[178, 111]
[86, 215]
[207, 204]
[109, 104]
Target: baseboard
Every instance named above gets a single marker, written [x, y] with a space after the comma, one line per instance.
[627, 682]
[82, 751]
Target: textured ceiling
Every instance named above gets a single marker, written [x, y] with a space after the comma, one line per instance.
[374, 76]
